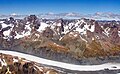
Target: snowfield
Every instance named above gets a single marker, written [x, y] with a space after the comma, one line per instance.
[110, 66]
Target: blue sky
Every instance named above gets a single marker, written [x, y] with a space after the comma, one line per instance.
[58, 6]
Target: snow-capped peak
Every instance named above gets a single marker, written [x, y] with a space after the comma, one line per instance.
[14, 14]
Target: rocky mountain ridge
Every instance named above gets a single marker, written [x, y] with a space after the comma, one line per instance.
[79, 37]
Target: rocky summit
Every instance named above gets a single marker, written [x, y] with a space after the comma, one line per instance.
[61, 38]
[15, 65]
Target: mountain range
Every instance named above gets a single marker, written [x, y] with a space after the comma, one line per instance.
[71, 15]
[66, 40]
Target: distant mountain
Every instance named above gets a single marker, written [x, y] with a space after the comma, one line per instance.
[106, 16]
[14, 15]
[97, 16]
[71, 15]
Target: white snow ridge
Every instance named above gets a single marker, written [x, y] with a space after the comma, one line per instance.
[64, 65]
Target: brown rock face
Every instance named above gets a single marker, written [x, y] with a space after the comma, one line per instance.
[114, 37]
[98, 28]
[75, 44]
[48, 32]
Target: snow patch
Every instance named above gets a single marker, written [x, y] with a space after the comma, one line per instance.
[106, 31]
[5, 25]
[15, 60]
[1, 22]
[93, 38]
[97, 37]
[7, 32]
[90, 29]
[42, 27]
[3, 62]
[24, 33]
[58, 24]
[18, 36]
[68, 27]
[119, 33]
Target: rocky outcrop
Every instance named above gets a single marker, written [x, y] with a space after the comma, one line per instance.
[15, 65]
